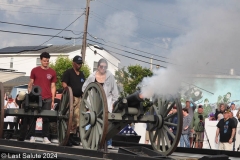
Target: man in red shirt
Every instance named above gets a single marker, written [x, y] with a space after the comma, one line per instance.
[45, 77]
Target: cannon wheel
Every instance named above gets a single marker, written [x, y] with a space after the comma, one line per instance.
[65, 116]
[1, 109]
[94, 100]
[159, 132]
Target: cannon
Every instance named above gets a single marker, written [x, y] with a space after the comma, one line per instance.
[104, 125]
[32, 107]
[33, 100]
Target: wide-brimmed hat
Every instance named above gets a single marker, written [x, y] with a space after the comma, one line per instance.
[21, 95]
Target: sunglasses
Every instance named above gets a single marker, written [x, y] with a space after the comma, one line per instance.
[103, 67]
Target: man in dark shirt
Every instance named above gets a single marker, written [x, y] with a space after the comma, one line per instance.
[74, 78]
[226, 129]
[174, 120]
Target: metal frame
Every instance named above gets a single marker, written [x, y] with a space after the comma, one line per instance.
[94, 99]
[63, 116]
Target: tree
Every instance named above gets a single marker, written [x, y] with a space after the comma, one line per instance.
[64, 63]
[131, 78]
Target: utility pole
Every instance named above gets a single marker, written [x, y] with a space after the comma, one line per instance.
[84, 42]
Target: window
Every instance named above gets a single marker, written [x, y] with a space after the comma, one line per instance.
[38, 63]
[95, 64]
[11, 63]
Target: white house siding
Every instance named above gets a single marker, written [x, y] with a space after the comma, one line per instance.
[26, 61]
[22, 63]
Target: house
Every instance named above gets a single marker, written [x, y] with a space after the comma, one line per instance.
[24, 58]
[8, 74]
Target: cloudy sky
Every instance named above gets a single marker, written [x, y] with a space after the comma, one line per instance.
[186, 35]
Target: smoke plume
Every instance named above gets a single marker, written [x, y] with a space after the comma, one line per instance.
[210, 47]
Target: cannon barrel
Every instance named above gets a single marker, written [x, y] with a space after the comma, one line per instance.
[34, 98]
[132, 100]
[36, 91]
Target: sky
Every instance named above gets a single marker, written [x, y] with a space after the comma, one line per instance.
[185, 36]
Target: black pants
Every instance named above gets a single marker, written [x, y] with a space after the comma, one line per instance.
[31, 122]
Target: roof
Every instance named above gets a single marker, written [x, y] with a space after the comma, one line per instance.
[22, 80]
[40, 49]
[18, 49]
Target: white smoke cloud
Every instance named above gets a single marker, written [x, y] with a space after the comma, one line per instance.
[121, 25]
[210, 47]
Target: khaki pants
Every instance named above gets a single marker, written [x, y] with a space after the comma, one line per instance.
[147, 136]
[199, 136]
[226, 146]
[76, 114]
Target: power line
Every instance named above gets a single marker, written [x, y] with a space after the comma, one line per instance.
[57, 14]
[135, 59]
[127, 51]
[36, 34]
[37, 7]
[58, 33]
[101, 56]
[63, 29]
[132, 58]
[19, 24]
[127, 47]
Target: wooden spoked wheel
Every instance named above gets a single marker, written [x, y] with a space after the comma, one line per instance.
[93, 117]
[162, 139]
[1, 109]
[65, 116]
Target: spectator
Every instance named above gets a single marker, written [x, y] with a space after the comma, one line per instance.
[212, 117]
[19, 100]
[184, 139]
[206, 107]
[197, 126]
[220, 109]
[107, 80]
[235, 125]
[74, 78]
[191, 110]
[10, 120]
[233, 109]
[220, 116]
[238, 115]
[174, 120]
[226, 129]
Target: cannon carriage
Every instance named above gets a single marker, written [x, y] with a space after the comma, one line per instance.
[104, 125]
[32, 108]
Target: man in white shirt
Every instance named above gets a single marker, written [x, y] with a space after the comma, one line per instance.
[10, 120]
[233, 110]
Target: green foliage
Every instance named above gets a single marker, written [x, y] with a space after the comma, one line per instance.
[130, 78]
[64, 63]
